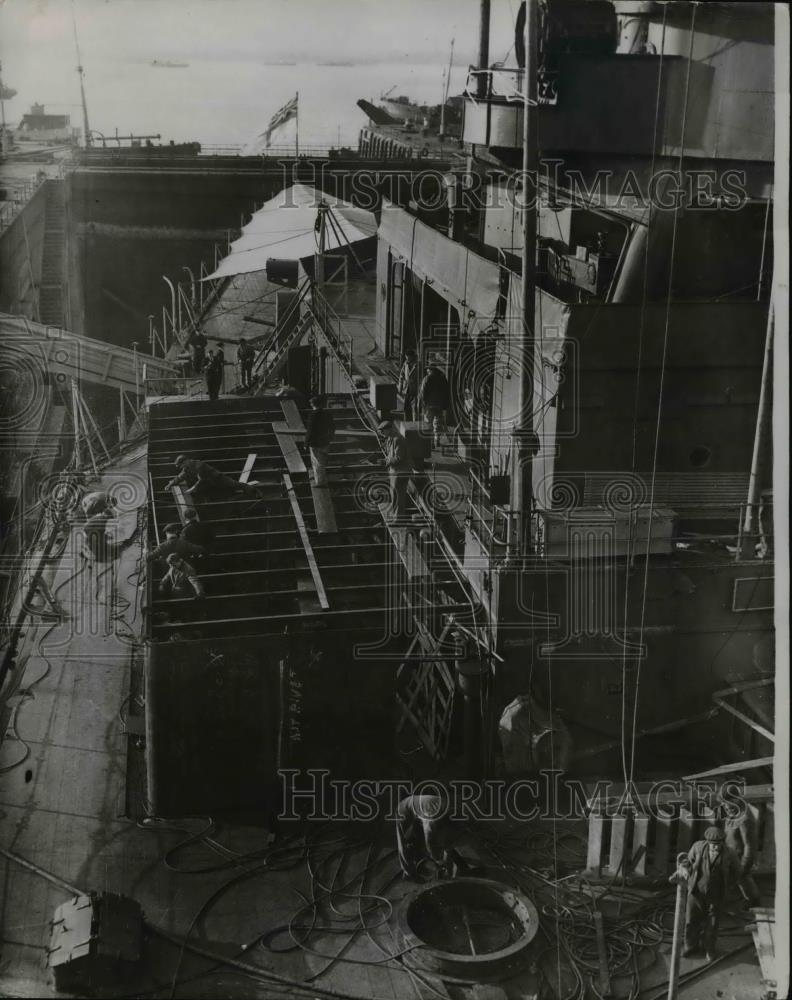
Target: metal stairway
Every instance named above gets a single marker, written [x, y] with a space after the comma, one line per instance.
[53, 256]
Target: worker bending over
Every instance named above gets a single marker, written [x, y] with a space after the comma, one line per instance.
[204, 481]
[175, 543]
[197, 532]
[426, 832]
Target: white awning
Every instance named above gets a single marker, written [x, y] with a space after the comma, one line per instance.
[283, 229]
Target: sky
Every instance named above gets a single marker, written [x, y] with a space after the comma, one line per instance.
[359, 30]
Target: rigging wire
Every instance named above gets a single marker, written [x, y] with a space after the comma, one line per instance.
[658, 423]
[632, 539]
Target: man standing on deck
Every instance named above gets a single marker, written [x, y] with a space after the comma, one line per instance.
[711, 869]
[397, 458]
[741, 835]
[320, 432]
[435, 397]
[408, 383]
[245, 357]
[213, 370]
[197, 344]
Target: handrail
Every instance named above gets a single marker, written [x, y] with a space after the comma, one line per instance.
[21, 196]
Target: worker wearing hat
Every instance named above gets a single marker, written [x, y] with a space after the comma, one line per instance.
[400, 467]
[711, 868]
[408, 383]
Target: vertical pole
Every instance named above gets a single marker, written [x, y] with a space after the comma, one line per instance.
[76, 422]
[483, 52]
[2, 102]
[81, 416]
[320, 273]
[763, 417]
[137, 376]
[121, 415]
[297, 125]
[522, 431]
[680, 877]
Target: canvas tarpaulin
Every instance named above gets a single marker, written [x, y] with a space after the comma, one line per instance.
[284, 229]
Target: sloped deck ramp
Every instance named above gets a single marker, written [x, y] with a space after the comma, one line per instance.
[300, 630]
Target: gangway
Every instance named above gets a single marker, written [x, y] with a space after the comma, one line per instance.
[64, 355]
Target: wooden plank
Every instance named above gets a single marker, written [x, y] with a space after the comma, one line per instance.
[661, 858]
[686, 828]
[407, 549]
[184, 502]
[309, 553]
[763, 932]
[324, 510]
[250, 461]
[602, 954]
[307, 601]
[596, 826]
[289, 449]
[293, 419]
[618, 845]
[767, 855]
[640, 840]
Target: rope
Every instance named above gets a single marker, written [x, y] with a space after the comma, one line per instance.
[666, 331]
[636, 404]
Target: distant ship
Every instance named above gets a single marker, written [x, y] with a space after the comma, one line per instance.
[168, 64]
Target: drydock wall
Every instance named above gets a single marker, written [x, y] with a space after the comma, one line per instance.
[20, 258]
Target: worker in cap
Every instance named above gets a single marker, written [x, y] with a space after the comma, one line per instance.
[711, 869]
[742, 836]
[427, 831]
[400, 467]
[175, 543]
[180, 579]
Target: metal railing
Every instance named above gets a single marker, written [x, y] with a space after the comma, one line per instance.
[20, 196]
[188, 387]
[332, 327]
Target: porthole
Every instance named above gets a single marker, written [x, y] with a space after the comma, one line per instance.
[700, 456]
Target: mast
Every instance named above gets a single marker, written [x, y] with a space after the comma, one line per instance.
[523, 430]
[2, 101]
[446, 88]
[81, 74]
[761, 437]
[483, 52]
[297, 124]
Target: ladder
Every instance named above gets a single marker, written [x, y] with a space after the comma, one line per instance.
[427, 697]
[272, 368]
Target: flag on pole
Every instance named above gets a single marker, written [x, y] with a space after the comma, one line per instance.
[283, 115]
